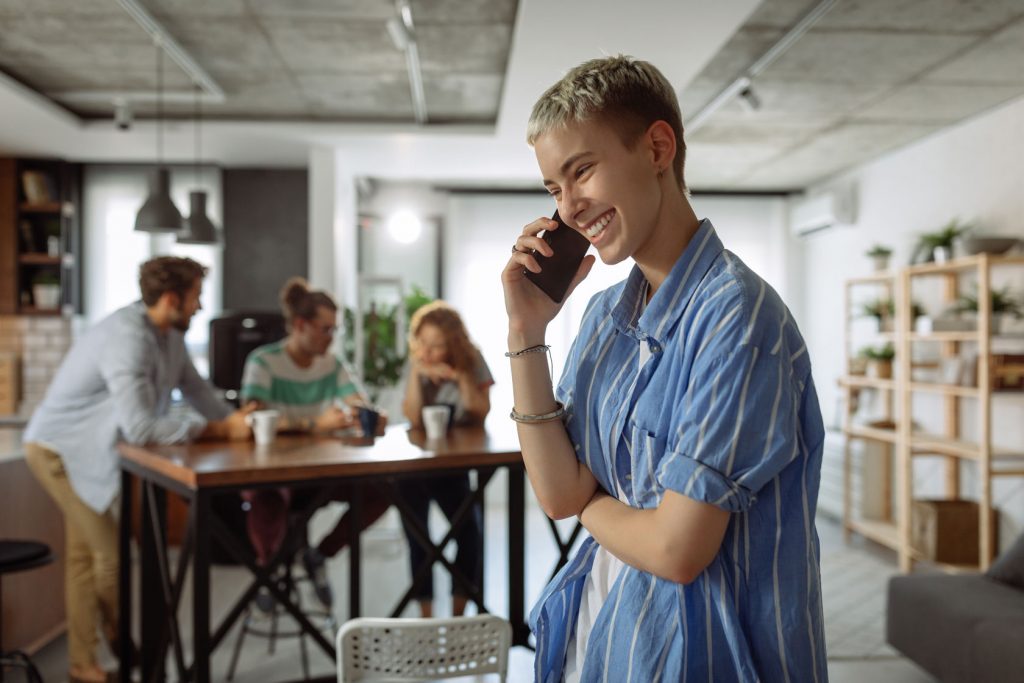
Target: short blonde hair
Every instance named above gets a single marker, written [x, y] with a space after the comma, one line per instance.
[630, 94]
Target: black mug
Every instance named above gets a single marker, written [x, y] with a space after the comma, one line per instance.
[368, 419]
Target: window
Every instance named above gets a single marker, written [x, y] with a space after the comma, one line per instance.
[114, 251]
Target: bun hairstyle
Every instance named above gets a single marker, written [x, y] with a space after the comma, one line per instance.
[461, 352]
[299, 301]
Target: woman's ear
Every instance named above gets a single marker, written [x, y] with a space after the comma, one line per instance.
[661, 140]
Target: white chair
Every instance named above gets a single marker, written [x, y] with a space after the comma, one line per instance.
[422, 649]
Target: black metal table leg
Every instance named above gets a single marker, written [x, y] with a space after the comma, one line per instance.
[154, 616]
[517, 556]
[200, 513]
[355, 554]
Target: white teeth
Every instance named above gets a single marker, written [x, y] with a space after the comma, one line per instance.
[599, 225]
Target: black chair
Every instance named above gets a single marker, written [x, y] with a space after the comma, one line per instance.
[17, 556]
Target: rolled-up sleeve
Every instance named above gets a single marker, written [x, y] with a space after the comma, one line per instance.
[128, 368]
[737, 429]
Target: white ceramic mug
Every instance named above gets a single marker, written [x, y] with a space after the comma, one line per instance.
[264, 425]
[435, 421]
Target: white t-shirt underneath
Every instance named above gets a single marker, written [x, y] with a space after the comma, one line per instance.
[598, 585]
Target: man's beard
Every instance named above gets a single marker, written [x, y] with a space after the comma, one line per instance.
[182, 322]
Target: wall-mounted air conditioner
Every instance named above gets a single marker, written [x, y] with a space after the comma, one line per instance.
[823, 210]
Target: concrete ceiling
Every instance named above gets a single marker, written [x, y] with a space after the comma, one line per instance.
[868, 77]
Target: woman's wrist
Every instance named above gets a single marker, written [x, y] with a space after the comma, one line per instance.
[517, 341]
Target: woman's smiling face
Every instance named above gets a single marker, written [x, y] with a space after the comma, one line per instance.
[603, 189]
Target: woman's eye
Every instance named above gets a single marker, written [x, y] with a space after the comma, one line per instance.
[582, 169]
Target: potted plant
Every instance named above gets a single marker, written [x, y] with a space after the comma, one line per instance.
[879, 255]
[882, 310]
[938, 246]
[46, 291]
[879, 360]
[1004, 304]
[384, 354]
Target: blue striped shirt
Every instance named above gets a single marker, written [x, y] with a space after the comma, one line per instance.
[724, 412]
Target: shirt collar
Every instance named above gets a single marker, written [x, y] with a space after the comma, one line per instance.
[667, 305]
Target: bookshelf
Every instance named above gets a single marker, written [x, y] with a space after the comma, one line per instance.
[39, 237]
[897, 440]
[872, 518]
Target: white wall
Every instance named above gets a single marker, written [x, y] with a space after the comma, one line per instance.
[973, 171]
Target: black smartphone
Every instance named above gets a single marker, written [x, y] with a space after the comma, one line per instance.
[568, 247]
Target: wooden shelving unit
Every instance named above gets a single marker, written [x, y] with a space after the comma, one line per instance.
[904, 440]
[39, 236]
[882, 527]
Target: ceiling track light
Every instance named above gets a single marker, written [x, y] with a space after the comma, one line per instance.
[743, 82]
[750, 99]
[403, 35]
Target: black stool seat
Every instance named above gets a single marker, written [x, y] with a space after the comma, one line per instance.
[16, 556]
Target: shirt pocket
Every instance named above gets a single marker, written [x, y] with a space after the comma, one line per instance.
[647, 450]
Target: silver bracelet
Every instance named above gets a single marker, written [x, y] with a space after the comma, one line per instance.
[539, 348]
[555, 414]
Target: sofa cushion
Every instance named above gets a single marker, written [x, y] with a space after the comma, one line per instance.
[1009, 567]
[931, 619]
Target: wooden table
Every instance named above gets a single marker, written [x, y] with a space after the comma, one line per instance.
[202, 470]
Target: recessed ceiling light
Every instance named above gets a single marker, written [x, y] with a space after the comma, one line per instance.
[405, 226]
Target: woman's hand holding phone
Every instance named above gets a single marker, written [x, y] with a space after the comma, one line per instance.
[529, 309]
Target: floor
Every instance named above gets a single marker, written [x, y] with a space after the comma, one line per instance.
[853, 577]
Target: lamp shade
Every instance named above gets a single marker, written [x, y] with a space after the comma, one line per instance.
[198, 228]
[158, 213]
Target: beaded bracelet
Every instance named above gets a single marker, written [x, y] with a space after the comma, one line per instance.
[555, 414]
[539, 348]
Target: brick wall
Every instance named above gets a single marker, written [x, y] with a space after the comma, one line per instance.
[40, 343]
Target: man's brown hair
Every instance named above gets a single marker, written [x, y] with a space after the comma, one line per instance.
[163, 274]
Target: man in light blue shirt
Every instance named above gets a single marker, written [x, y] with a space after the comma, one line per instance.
[690, 438]
[115, 384]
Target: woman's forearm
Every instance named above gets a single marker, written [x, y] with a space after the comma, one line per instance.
[563, 485]
[412, 404]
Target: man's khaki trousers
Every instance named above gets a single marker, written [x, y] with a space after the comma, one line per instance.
[90, 572]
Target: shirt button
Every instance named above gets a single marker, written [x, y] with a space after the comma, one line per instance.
[629, 477]
[655, 349]
[577, 446]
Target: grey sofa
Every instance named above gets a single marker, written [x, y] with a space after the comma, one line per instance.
[967, 627]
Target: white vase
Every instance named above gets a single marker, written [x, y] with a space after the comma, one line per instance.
[46, 297]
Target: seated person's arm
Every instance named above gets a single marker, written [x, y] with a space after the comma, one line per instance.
[412, 403]
[476, 397]
[675, 541]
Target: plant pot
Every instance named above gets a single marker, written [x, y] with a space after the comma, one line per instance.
[46, 297]
[881, 263]
[941, 254]
[880, 369]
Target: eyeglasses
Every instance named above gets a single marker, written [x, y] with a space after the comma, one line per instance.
[327, 329]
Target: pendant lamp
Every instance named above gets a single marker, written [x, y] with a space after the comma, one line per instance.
[198, 228]
[158, 213]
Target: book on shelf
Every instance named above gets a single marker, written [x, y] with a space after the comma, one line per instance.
[38, 187]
